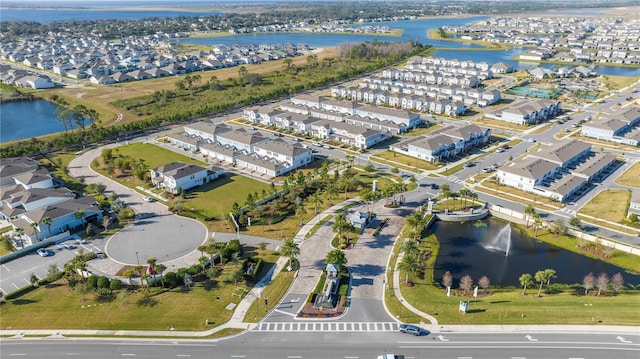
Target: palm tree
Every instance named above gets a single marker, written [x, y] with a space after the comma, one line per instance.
[80, 215]
[525, 280]
[410, 248]
[529, 212]
[541, 277]
[19, 232]
[408, 264]
[290, 249]
[34, 225]
[537, 223]
[47, 222]
[316, 200]
[337, 257]
[415, 220]
[464, 193]
[152, 265]
[454, 196]
[331, 191]
[160, 268]
[129, 273]
[203, 262]
[301, 213]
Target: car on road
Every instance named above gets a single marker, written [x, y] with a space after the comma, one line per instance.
[434, 186]
[410, 329]
[43, 252]
[487, 170]
[469, 164]
[390, 356]
[148, 199]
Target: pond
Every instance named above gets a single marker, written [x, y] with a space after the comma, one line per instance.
[479, 248]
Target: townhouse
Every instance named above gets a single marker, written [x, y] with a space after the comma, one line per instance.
[526, 112]
[438, 145]
[620, 127]
[28, 195]
[560, 171]
[275, 158]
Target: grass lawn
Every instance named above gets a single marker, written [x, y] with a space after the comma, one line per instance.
[417, 131]
[630, 177]
[153, 155]
[610, 205]
[509, 306]
[403, 161]
[487, 122]
[56, 307]
[513, 194]
[216, 198]
[273, 292]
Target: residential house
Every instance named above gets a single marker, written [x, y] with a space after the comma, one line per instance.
[177, 176]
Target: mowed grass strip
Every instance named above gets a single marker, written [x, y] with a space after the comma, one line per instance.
[609, 205]
[630, 177]
[57, 307]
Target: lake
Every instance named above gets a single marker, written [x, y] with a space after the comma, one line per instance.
[464, 250]
[412, 30]
[26, 119]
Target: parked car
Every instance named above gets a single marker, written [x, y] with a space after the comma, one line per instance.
[410, 329]
[147, 199]
[43, 252]
[390, 356]
[487, 169]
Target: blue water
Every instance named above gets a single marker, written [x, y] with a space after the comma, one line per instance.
[413, 30]
[26, 119]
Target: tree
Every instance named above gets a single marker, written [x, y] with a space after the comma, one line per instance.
[588, 282]
[525, 281]
[116, 284]
[529, 211]
[465, 283]
[549, 273]
[152, 267]
[288, 63]
[236, 276]
[409, 265]
[19, 231]
[159, 269]
[33, 280]
[290, 249]
[617, 282]
[541, 277]
[79, 215]
[53, 273]
[415, 220]
[445, 188]
[34, 225]
[47, 222]
[316, 200]
[337, 257]
[575, 222]
[537, 224]
[447, 279]
[129, 273]
[301, 213]
[558, 227]
[484, 283]
[602, 282]
[331, 192]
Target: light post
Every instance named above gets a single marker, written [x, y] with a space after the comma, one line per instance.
[137, 258]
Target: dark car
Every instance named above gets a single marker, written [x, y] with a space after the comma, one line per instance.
[410, 329]
[434, 186]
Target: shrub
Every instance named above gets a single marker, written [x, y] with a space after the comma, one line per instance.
[103, 282]
[92, 282]
[115, 284]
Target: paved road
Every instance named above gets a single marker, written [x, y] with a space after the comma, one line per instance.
[340, 344]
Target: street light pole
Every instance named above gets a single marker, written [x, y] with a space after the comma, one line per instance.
[137, 258]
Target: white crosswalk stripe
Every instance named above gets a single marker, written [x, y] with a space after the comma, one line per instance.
[454, 179]
[326, 327]
[568, 211]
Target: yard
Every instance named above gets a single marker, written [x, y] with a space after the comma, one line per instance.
[609, 205]
[630, 177]
[403, 162]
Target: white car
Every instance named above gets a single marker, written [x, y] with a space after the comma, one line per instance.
[43, 252]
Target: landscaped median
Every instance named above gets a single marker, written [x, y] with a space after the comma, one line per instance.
[564, 304]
